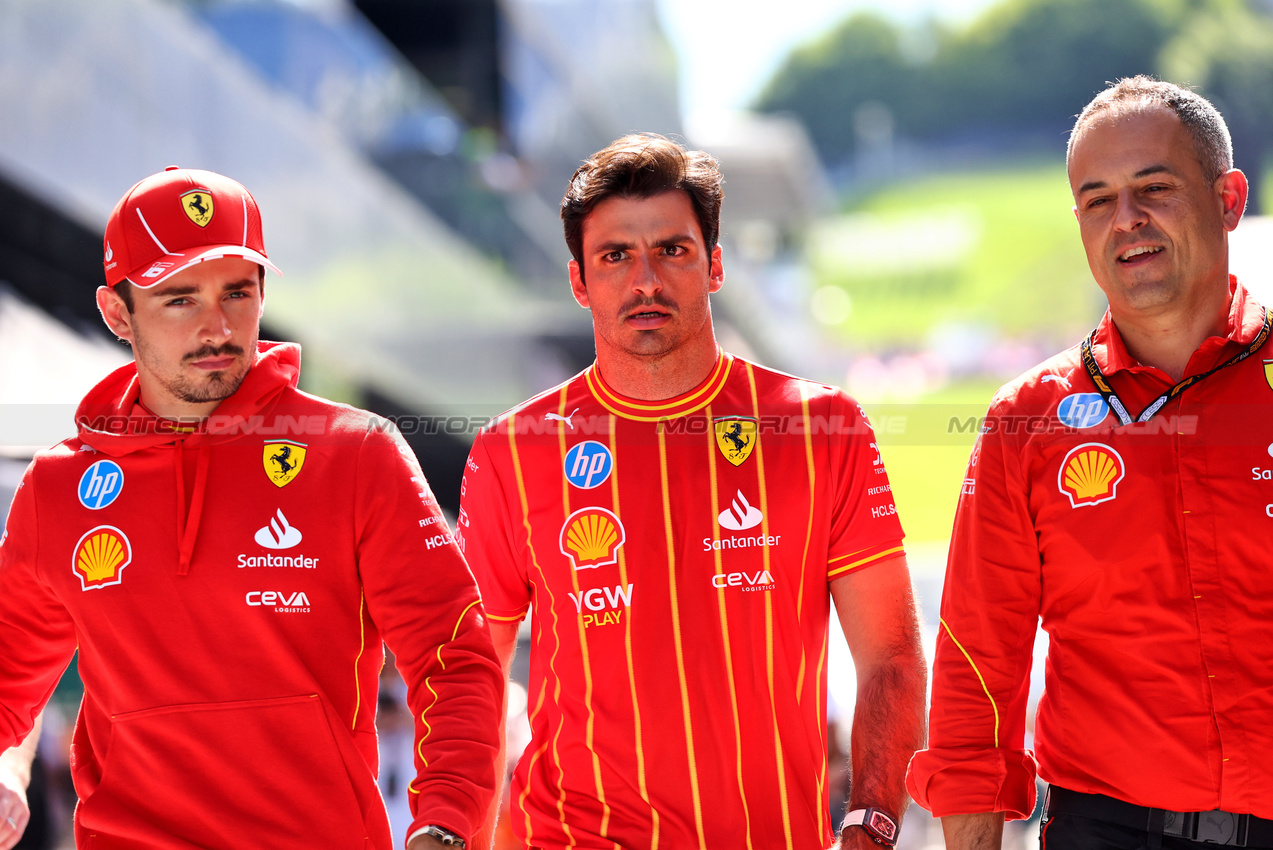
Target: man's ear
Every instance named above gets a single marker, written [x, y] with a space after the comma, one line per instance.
[716, 271]
[1233, 193]
[115, 313]
[577, 287]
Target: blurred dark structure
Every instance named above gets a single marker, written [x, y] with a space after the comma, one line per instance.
[54, 261]
[454, 44]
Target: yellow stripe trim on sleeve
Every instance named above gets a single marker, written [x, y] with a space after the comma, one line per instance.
[847, 567]
[362, 646]
[428, 729]
[498, 618]
[980, 678]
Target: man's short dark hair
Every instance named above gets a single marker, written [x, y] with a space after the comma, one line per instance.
[641, 166]
[1211, 141]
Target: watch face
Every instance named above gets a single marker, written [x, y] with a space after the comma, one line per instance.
[882, 825]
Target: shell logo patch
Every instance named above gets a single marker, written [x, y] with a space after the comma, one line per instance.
[1090, 474]
[1268, 373]
[283, 461]
[591, 537]
[100, 557]
[735, 437]
[198, 206]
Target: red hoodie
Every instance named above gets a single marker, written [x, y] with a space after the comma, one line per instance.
[228, 589]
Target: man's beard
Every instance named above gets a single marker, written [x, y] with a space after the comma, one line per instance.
[216, 386]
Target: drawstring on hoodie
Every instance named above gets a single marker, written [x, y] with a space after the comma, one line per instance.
[188, 522]
[276, 368]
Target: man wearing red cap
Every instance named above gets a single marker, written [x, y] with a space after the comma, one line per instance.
[227, 554]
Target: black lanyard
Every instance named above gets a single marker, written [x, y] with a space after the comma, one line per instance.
[1120, 410]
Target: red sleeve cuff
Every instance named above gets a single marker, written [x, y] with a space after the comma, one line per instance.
[967, 781]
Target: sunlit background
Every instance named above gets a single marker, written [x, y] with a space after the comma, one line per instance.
[896, 222]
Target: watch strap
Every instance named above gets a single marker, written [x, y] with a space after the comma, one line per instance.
[879, 824]
[442, 834]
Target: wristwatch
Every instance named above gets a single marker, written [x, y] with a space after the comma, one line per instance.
[879, 824]
[446, 836]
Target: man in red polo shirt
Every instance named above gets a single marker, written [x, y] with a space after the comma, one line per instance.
[1136, 525]
[679, 519]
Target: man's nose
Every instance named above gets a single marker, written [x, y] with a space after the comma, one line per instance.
[646, 277]
[216, 325]
[1128, 214]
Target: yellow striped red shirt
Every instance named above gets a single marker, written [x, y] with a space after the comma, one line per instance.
[676, 557]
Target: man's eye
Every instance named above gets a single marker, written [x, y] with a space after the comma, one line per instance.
[614, 256]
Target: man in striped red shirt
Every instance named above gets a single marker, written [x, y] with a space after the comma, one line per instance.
[679, 520]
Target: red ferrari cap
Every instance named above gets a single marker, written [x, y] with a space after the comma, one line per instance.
[176, 218]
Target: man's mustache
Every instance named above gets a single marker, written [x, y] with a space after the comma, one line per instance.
[636, 305]
[227, 350]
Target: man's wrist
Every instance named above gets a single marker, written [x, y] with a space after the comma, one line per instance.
[439, 834]
[880, 826]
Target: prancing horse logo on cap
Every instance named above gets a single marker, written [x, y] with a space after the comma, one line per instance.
[198, 206]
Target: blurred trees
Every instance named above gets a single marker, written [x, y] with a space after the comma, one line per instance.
[1225, 47]
[1020, 73]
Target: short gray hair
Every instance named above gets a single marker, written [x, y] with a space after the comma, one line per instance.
[1211, 140]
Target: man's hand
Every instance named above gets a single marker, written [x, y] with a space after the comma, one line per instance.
[425, 842]
[15, 775]
[13, 810]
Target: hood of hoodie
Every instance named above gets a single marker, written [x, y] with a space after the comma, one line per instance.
[111, 419]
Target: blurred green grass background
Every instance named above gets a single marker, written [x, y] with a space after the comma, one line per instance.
[995, 251]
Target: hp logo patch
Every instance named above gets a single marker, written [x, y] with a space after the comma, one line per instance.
[101, 484]
[588, 464]
[1082, 410]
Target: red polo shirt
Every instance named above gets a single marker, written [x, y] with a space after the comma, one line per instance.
[1147, 551]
